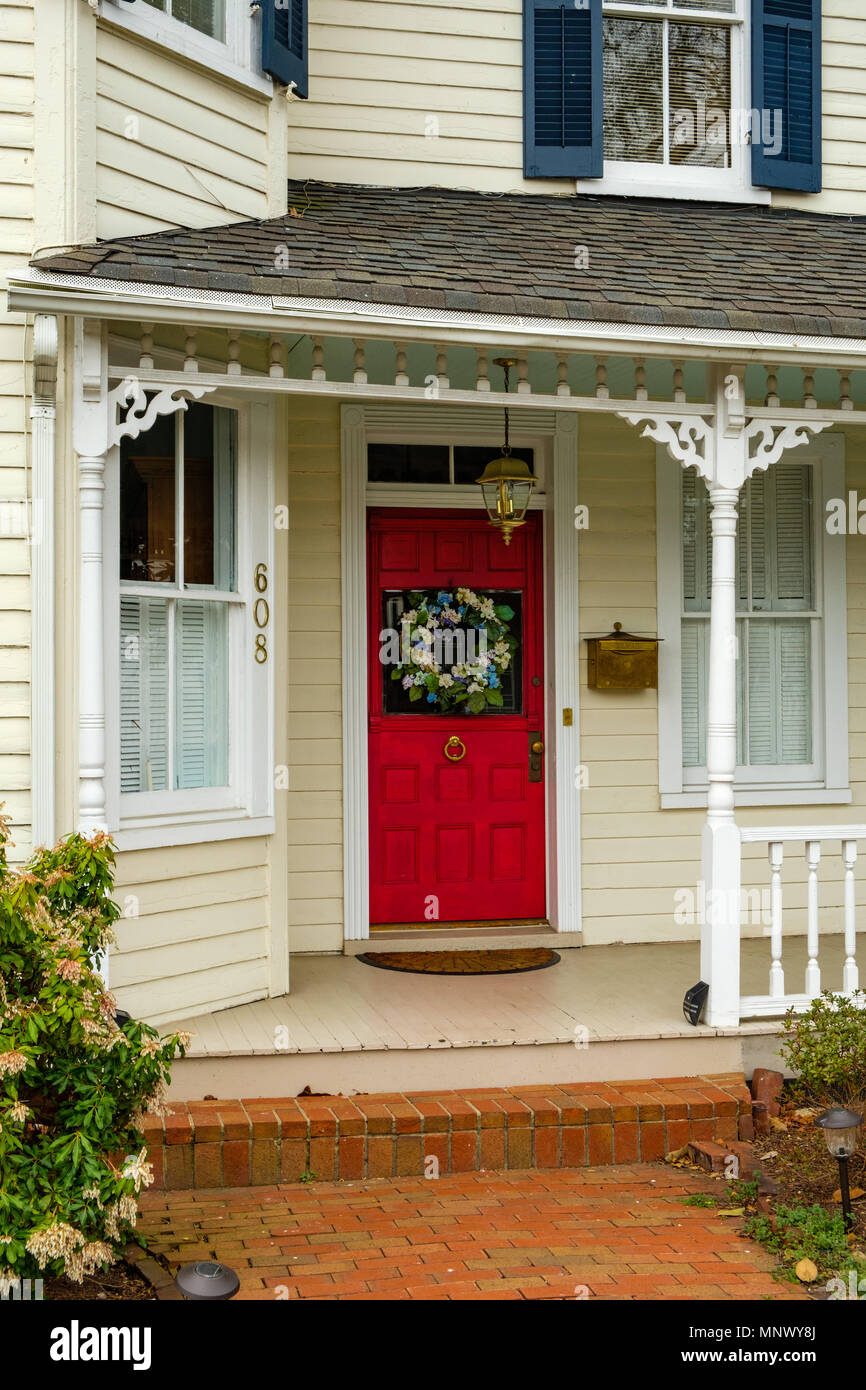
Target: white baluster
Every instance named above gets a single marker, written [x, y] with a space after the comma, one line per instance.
[640, 391]
[601, 388]
[318, 372]
[813, 970]
[482, 382]
[275, 356]
[442, 367]
[359, 375]
[401, 376]
[772, 397]
[809, 399]
[679, 382]
[562, 386]
[145, 348]
[776, 851]
[850, 973]
[523, 385]
[190, 361]
[845, 401]
[233, 366]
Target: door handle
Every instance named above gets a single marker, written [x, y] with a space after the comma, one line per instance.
[455, 749]
[536, 751]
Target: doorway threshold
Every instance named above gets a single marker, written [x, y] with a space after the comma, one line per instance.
[458, 936]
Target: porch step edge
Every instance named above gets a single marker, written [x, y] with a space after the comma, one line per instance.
[267, 1140]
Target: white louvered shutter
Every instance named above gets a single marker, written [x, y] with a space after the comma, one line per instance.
[143, 695]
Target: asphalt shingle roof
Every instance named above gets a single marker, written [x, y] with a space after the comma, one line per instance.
[644, 261]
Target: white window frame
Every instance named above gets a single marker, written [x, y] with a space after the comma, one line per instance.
[237, 57]
[830, 783]
[145, 820]
[635, 178]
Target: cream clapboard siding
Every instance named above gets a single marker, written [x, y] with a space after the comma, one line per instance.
[194, 934]
[174, 145]
[315, 750]
[406, 93]
[636, 857]
[16, 239]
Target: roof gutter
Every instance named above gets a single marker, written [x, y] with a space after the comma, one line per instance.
[36, 291]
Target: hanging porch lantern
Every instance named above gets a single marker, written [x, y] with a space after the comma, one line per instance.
[506, 483]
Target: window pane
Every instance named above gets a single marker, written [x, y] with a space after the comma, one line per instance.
[633, 111]
[208, 16]
[143, 695]
[780, 692]
[147, 505]
[209, 496]
[700, 94]
[407, 463]
[720, 6]
[201, 695]
[470, 462]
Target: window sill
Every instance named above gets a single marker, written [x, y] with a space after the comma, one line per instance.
[768, 796]
[162, 832]
[183, 42]
[627, 186]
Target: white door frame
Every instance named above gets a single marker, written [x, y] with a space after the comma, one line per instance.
[554, 435]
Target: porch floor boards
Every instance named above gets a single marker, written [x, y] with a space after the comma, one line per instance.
[617, 993]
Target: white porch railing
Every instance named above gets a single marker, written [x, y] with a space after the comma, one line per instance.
[778, 998]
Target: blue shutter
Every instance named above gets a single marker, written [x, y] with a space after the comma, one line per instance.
[284, 42]
[786, 79]
[562, 90]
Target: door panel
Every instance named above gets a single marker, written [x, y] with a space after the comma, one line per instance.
[455, 841]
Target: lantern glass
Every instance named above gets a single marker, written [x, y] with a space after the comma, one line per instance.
[841, 1131]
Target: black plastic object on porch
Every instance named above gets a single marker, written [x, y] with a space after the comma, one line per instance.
[207, 1282]
[694, 1001]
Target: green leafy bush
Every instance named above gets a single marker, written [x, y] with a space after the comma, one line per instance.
[74, 1085]
[826, 1048]
[796, 1233]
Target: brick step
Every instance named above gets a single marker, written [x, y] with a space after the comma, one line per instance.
[241, 1143]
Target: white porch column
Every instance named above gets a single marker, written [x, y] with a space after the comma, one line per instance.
[720, 931]
[91, 689]
[91, 439]
[43, 416]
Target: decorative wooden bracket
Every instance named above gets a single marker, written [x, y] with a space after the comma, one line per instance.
[143, 410]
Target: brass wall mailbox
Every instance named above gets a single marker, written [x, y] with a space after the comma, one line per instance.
[622, 661]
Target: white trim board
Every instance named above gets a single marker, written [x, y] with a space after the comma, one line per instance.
[557, 466]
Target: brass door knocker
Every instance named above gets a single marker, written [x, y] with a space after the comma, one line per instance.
[455, 749]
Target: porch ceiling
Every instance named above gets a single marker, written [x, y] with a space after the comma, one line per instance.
[576, 258]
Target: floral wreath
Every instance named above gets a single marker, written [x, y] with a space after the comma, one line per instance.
[469, 685]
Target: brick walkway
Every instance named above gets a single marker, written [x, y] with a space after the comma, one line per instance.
[610, 1233]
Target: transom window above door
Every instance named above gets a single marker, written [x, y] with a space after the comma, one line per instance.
[434, 464]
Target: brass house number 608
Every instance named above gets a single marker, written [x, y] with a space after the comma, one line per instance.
[261, 612]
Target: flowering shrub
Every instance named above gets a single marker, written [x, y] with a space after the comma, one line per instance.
[74, 1084]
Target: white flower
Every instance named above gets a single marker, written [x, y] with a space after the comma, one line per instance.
[139, 1170]
[11, 1063]
[473, 685]
[446, 680]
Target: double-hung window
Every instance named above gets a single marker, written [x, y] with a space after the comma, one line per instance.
[790, 643]
[673, 88]
[190, 614]
[696, 98]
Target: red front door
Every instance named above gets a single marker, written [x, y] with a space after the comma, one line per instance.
[456, 836]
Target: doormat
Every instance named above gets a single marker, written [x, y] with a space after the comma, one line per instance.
[462, 962]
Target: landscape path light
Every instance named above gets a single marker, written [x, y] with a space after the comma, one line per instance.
[207, 1281]
[842, 1136]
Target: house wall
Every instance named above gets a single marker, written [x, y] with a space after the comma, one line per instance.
[16, 240]
[406, 94]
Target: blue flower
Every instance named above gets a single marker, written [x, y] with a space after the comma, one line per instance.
[461, 610]
[493, 681]
[431, 698]
[443, 598]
